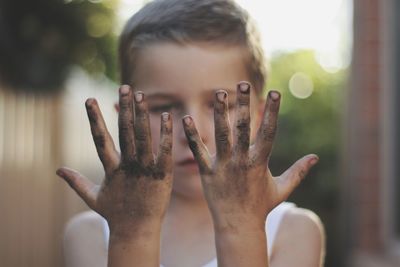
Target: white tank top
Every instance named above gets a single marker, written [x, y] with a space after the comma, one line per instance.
[273, 221]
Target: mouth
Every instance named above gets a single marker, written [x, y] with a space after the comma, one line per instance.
[187, 162]
[187, 166]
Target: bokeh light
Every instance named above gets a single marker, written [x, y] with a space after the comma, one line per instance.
[301, 85]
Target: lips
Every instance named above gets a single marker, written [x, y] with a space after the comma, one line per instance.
[187, 162]
[188, 166]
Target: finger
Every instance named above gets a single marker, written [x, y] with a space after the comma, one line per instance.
[292, 177]
[102, 139]
[197, 146]
[125, 124]
[267, 131]
[241, 129]
[223, 139]
[164, 157]
[143, 144]
[82, 185]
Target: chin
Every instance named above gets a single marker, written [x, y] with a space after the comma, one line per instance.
[188, 186]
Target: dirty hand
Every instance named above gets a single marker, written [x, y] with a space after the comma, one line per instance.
[137, 186]
[237, 183]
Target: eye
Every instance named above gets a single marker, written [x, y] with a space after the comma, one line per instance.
[164, 107]
[160, 108]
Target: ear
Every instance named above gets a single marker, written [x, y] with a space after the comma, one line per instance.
[116, 106]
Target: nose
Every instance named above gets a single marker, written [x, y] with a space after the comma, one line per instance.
[203, 121]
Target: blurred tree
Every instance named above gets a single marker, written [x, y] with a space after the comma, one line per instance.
[311, 125]
[40, 40]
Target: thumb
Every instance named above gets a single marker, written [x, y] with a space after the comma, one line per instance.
[292, 177]
[86, 189]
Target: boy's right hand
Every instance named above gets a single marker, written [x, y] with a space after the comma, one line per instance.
[238, 185]
[135, 192]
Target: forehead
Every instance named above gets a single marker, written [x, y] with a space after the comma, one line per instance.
[190, 69]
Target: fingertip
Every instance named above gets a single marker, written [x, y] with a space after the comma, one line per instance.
[67, 176]
[313, 159]
[166, 123]
[90, 102]
[274, 95]
[244, 87]
[187, 120]
[64, 172]
[165, 116]
[139, 96]
[60, 172]
[124, 89]
[221, 95]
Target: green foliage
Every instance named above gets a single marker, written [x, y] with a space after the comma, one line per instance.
[42, 39]
[96, 52]
[311, 125]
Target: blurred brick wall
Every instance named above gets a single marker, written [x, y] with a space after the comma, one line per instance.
[364, 183]
[365, 126]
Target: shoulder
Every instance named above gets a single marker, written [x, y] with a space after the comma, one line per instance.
[301, 232]
[304, 221]
[84, 226]
[87, 219]
[84, 223]
[84, 242]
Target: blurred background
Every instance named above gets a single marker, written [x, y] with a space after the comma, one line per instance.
[336, 63]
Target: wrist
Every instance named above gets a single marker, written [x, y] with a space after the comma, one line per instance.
[139, 246]
[134, 232]
[238, 225]
[239, 234]
[134, 243]
[245, 246]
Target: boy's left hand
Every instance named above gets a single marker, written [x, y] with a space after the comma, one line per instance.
[135, 193]
[239, 188]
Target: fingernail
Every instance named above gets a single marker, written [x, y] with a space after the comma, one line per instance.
[165, 116]
[138, 97]
[274, 95]
[314, 160]
[124, 90]
[90, 102]
[187, 120]
[60, 173]
[221, 96]
[244, 87]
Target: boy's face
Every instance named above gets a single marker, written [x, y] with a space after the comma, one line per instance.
[182, 80]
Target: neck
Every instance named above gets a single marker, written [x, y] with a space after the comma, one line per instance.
[181, 203]
[188, 210]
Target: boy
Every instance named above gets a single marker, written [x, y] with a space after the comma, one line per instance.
[210, 198]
